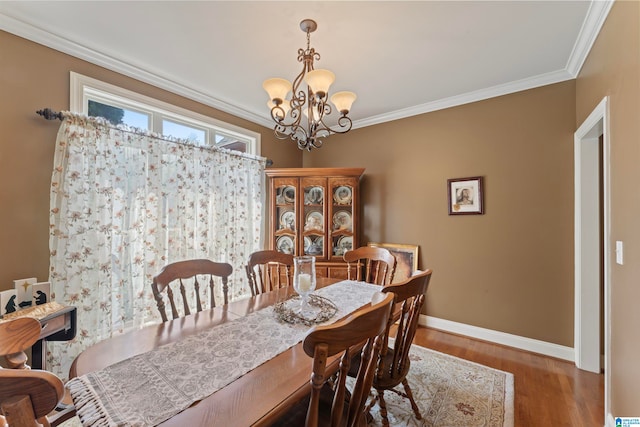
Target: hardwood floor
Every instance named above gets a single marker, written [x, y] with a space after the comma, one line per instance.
[548, 391]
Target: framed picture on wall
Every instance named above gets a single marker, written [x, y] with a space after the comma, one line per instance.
[406, 259]
[465, 196]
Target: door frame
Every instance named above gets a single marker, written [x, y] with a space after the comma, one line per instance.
[587, 241]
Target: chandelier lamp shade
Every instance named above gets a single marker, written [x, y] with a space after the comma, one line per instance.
[304, 116]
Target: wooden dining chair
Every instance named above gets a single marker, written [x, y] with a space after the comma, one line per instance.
[394, 362]
[371, 265]
[176, 274]
[16, 336]
[330, 402]
[27, 396]
[268, 270]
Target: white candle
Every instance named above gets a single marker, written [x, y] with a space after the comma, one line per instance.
[304, 282]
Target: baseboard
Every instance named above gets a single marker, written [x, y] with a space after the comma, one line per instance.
[522, 343]
[610, 422]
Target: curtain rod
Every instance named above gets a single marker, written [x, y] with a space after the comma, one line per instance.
[49, 114]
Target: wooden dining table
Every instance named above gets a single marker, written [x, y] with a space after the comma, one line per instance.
[255, 399]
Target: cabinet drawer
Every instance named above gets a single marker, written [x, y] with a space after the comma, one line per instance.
[52, 326]
[57, 323]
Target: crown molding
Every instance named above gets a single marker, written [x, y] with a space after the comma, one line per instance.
[74, 49]
[467, 98]
[596, 16]
[593, 22]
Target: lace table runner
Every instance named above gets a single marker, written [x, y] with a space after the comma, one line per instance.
[150, 388]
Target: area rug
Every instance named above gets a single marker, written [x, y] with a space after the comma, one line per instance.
[451, 392]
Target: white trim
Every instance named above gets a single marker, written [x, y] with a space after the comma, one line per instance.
[596, 15]
[596, 124]
[587, 240]
[593, 22]
[467, 98]
[82, 86]
[610, 421]
[29, 32]
[497, 337]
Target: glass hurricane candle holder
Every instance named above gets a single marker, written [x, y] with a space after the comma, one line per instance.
[304, 279]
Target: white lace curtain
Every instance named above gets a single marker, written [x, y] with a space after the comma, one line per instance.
[124, 203]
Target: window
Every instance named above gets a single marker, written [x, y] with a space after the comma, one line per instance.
[120, 106]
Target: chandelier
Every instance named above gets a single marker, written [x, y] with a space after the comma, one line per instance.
[302, 118]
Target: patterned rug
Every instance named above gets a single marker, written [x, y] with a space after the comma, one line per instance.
[451, 392]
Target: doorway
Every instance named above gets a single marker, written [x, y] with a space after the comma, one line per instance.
[592, 244]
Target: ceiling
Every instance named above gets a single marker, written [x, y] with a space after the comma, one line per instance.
[400, 57]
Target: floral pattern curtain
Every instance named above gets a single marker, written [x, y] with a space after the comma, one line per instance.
[126, 202]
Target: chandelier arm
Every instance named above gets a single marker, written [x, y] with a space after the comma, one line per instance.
[314, 143]
[344, 125]
[289, 130]
[280, 131]
[278, 114]
[298, 96]
[325, 109]
[344, 122]
[298, 134]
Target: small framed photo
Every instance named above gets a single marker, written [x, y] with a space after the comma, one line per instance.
[465, 196]
[406, 259]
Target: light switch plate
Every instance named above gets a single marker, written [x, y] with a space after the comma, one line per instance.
[619, 252]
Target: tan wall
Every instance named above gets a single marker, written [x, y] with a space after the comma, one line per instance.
[613, 69]
[510, 269]
[33, 77]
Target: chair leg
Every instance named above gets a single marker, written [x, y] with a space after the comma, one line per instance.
[407, 390]
[383, 408]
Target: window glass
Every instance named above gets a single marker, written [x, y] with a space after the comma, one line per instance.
[121, 106]
[230, 142]
[118, 115]
[136, 119]
[178, 130]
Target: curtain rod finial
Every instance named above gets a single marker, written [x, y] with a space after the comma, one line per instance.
[49, 114]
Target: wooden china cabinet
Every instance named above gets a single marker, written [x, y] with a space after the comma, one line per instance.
[315, 211]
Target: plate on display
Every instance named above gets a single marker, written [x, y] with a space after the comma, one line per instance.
[285, 195]
[314, 221]
[313, 195]
[313, 245]
[342, 221]
[342, 195]
[284, 244]
[344, 244]
[288, 220]
[289, 194]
